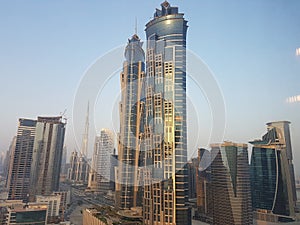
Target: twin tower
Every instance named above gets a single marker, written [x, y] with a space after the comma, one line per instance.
[152, 143]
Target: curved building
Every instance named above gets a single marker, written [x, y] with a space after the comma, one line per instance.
[131, 126]
[166, 187]
[272, 175]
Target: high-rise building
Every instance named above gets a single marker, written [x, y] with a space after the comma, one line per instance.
[192, 177]
[230, 179]
[166, 184]
[46, 157]
[79, 163]
[203, 186]
[131, 126]
[2, 158]
[272, 175]
[92, 181]
[8, 161]
[64, 162]
[18, 179]
[104, 159]
[113, 167]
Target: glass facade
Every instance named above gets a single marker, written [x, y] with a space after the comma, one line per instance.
[166, 184]
[128, 189]
[272, 174]
[263, 177]
[230, 183]
[29, 217]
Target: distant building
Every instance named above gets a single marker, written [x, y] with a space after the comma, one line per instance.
[8, 161]
[109, 216]
[65, 197]
[203, 186]
[18, 213]
[79, 168]
[104, 159]
[272, 175]
[63, 169]
[92, 181]
[46, 157]
[2, 158]
[114, 165]
[79, 163]
[192, 168]
[53, 204]
[230, 181]
[21, 151]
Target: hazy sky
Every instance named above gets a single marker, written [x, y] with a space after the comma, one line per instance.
[46, 48]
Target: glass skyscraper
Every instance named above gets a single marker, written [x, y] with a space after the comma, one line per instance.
[230, 183]
[165, 136]
[272, 175]
[128, 188]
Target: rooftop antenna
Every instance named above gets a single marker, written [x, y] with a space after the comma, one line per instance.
[135, 28]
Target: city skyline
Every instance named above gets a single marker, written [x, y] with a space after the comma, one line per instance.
[256, 55]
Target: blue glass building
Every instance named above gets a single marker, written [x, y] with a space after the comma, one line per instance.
[272, 175]
[166, 187]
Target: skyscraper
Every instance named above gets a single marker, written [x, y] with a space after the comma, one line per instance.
[8, 162]
[230, 179]
[92, 181]
[203, 186]
[104, 159]
[272, 174]
[131, 125]
[47, 154]
[166, 187]
[64, 162]
[79, 165]
[18, 179]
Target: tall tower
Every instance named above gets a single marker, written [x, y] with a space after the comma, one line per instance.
[272, 174]
[104, 159]
[84, 144]
[9, 161]
[80, 168]
[47, 154]
[230, 182]
[166, 187]
[203, 186]
[18, 179]
[131, 125]
[92, 180]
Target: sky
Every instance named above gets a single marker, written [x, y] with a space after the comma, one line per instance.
[247, 48]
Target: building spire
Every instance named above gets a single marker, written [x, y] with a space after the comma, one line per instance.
[84, 146]
[135, 28]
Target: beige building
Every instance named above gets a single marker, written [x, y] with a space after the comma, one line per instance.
[53, 203]
[17, 213]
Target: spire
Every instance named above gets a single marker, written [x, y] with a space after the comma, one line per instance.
[135, 28]
[84, 146]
